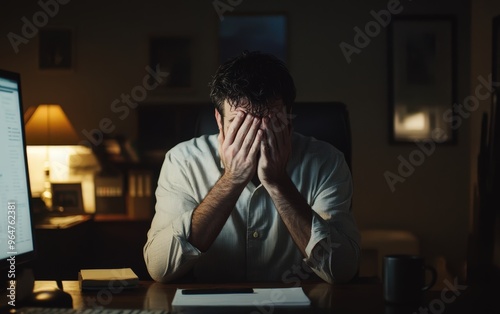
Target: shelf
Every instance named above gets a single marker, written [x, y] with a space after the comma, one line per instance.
[116, 217]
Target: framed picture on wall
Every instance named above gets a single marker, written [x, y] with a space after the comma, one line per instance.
[253, 32]
[496, 49]
[422, 79]
[67, 197]
[173, 55]
[55, 49]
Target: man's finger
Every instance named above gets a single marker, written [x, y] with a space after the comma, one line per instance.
[243, 130]
[234, 127]
[251, 135]
[270, 139]
[256, 145]
[221, 136]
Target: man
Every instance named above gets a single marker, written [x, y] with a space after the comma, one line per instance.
[256, 202]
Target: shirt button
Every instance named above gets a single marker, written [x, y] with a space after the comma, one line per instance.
[255, 234]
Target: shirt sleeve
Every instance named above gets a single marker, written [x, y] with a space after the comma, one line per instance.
[167, 253]
[333, 249]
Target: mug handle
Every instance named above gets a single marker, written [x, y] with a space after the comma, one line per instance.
[433, 279]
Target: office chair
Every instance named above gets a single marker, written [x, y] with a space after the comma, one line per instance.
[326, 121]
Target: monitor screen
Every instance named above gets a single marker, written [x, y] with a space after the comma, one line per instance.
[16, 232]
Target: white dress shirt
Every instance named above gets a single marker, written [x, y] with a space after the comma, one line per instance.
[254, 244]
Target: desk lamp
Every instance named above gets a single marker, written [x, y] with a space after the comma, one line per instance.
[48, 125]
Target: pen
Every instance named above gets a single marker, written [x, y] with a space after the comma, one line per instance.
[217, 291]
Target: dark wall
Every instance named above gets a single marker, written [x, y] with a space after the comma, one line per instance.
[111, 54]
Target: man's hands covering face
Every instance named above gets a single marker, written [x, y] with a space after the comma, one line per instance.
[240, 146]
[245, 138]
[275, 150]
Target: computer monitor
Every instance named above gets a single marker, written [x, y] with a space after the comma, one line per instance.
[16, 230]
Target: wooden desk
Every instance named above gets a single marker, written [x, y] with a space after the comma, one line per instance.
[363, 297]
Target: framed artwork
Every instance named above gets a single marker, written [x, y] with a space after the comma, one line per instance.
[67, 197]
[253, 32]
[55, 51]
[422, 84]
[173, 55]
[496, 49]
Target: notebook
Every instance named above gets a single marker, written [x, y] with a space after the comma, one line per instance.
[100, 278]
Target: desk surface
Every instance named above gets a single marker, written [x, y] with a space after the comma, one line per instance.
[364, 297]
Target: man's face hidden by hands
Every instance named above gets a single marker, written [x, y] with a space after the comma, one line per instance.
[251, 144]
[279, 118]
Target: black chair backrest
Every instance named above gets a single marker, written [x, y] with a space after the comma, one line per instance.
[326, 121]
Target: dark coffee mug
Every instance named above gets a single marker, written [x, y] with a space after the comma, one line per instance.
[404, 279]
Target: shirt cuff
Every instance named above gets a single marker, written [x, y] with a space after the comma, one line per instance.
[319, 231]
[181, 231]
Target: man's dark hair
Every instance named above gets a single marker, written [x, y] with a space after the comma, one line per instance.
[254, 77]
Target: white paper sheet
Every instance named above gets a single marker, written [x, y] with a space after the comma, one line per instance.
[287, 297]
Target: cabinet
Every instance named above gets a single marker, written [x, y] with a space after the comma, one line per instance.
[99, 241]
[117, 241]
[61, 248]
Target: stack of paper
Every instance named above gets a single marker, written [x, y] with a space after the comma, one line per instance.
[107, 278]
[278, 297]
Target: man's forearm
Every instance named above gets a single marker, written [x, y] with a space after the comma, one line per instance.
[294, 211]
[297, 215]
[212, 213]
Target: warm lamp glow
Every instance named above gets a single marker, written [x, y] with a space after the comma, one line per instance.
[49, 125]
[415, 122]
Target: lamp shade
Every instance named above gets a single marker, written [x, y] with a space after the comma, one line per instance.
[49, 125]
